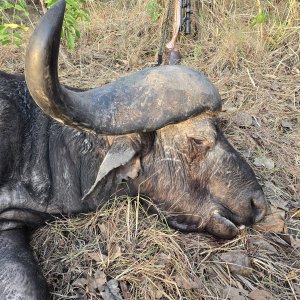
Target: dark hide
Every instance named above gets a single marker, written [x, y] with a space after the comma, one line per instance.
[45, 169]
[20, 276]
[43, 162]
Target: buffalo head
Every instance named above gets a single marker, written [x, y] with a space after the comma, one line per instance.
[163, 134]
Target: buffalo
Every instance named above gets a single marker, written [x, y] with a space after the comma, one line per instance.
[65, 151]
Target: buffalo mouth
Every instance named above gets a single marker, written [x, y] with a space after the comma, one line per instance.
[225, 221]
[219, 220]
[217, 225]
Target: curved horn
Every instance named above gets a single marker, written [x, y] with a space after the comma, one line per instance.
[141, 102]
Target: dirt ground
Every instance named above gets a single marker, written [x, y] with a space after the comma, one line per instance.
[120, 252]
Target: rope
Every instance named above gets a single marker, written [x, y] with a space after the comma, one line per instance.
[164, 34]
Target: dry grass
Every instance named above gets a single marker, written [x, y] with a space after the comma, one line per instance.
[257, 70]
[155, 262]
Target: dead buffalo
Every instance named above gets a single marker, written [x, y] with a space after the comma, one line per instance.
[155, 129]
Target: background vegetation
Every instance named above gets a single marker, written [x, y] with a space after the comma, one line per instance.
[14, 13]
[250, 50]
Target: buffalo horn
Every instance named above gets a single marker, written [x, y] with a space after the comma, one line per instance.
[141, 102]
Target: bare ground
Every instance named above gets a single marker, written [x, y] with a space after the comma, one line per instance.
[257, 71]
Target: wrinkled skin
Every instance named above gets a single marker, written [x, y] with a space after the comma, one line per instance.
[203, 182]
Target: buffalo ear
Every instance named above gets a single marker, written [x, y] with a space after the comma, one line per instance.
[130, 170]
[122, 155]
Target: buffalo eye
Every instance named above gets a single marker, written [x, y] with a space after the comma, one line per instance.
[201, 144]
[196, 142]
[198, 147]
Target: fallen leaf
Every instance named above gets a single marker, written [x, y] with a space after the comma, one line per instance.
[231, 293]
[165, 262]
[97, 256]
[183, 282]
[104, 230]
[278, 202]
[125, 292]
[278, 211]
[242, 119]
[280, 239]
[263, 161]
[159, 293]
[156, 292]
[91, 284]
[100, 278]
[229, 107]
[273, 222]
[262, 245]
[186, 283]
[114, 252]
[111, 291]
[95, 282]
[164, 258]
[273, 194]
[260, 294]
[80, 282]
[238, 262]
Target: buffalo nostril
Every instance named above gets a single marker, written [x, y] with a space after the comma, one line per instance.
[259, 206]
